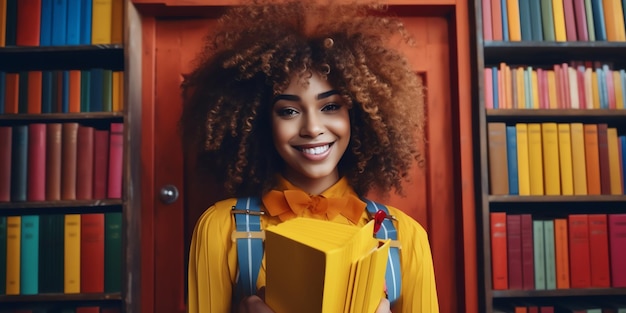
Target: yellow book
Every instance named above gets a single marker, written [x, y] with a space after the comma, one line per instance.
[3, 22]
[558, 14]
[71, 256]
[523, 168]
[117, 22]
[614, 20]
[573, 88]
[515, 31]
[614, 161]
[14, 235]
[619, 93]
[101, 21]
[565, 160]
[552, 90]
[535, 83]
[579, 171]
[328, 251]
[588, 88]
[594, 90]
[521, 88]
[535, 159]
[550, 148]
[118, 91]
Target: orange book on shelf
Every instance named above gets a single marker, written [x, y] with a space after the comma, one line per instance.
[589, 96]
[565, 159]
[521, 88]
[499, 265]
[496, 20]
[552, 89]
[535, 84]
[579, 171]
[74, 91]
[34, 91]
[592, 159]
[513, 17]
[550, 149]
[508, 85]
[614, 20]
[614, 161]
[118, 91]
[558, 75]
[498, 172]
[561, 253]
[595, 92]
[535, 159]
[13, 244]
[3, 23]
[12, 93]
[559, 20]
[117, 22]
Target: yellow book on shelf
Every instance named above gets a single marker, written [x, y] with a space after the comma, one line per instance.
[558, 13]
[331, 253]
[3, 23]
[521, 88]
[101, 21]
[588, 88]
[535, 159]
[614, 161]
[619, 93]
[565, 159]
[614, 20]
[515, 31]
[117, 22]
[523, 168]
[535, 83]
[552, 89]
[14, 235]
[550, 148]
[594, 90]
[118, 91]
[579, 170]
[71, 254]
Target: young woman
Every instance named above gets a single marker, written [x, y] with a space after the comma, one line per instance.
[307, 99]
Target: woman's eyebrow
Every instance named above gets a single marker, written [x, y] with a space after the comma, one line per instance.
[286, 97]
[327, 94]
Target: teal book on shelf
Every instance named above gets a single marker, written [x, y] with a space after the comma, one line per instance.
[29, 255]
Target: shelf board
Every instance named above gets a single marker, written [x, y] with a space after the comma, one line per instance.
[61, 207]
[556, 115]
[62, 57]
[572, 292]
[60, 297]
[556, 199]
[63, 117]
[548, 53]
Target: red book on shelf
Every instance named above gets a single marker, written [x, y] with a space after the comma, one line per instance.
[546, 309]
[603, 155]
[580, 268]
[36, 178]
[599, 251]
[570, 20]
[74, 91]
[6, 135]
[581, 20]
[100, 163]
[116, 155]
[496, 20]
[487, 25]
[34, 92]
[92, 253]
[68, 161]
[84, 163]
[11, 93]
[528, 259]
[28, 22]
[499, 270]
[514, 247]
[88, 309]
[53, 161]
[617, 242]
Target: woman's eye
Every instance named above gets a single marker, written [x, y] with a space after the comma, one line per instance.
[287, 112]
[331, 107]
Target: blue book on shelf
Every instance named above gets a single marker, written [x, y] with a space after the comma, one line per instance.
[536, 24]
[65, 97]
[525, 20]
[511, 152]
[495, 88]
[19, 165]
[604, 98]
[505, 21]
[45, 31]
[3, 84]
[96, 95]
[528, 88]
[598, 20]
[46, 91]
[59, 22]
[74, 13]
[29, 255]
[85, 23]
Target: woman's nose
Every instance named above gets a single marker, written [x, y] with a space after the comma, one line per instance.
[312, 125]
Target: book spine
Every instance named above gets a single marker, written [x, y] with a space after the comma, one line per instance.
[36, 162]
[528, 266]
[113, 252]
[498, 172]
[14, 226]
[29, 258]
[6, 138]
[53, 161]
[599, 251]
[498, 251]
[116, 155]
[68, 162]
[92, 253]
[579, 251]
[19, 165]
[617, 241]
[84, 162]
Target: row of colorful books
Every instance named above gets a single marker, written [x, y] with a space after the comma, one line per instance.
[576, 251]
[80, 309]
[61, 253]
[60, 161]
[607, 306]
[577, 85]
[555, 159]
[553, 20]
[61, 22]
[73, 91]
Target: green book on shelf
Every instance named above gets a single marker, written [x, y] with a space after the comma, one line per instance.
[547, 20]
[548, 235]
[113, 252]
[539, 255]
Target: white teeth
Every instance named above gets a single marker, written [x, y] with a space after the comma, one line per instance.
[316, 150]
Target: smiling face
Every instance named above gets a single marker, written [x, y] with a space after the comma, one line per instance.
[311, 131]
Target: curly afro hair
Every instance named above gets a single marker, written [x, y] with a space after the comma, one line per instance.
[250, 58]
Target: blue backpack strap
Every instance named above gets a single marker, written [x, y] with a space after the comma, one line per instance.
[249, 239]
[393, 275]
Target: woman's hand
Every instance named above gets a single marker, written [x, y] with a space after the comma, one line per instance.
[384, 306]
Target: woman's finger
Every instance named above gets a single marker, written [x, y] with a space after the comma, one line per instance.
[384, 306]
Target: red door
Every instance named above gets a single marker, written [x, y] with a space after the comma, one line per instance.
[431, 197]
